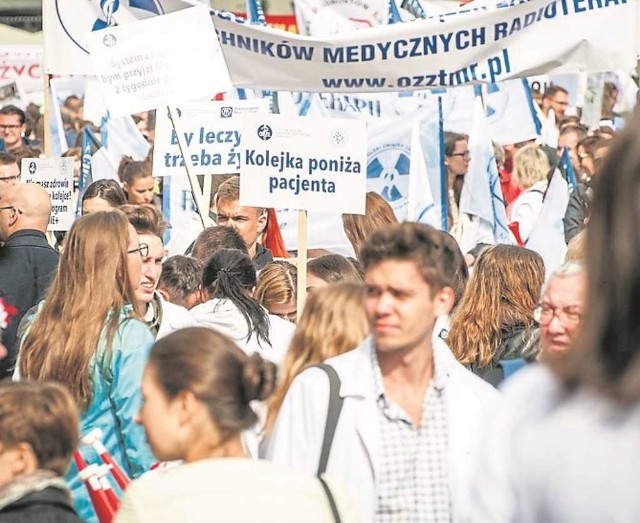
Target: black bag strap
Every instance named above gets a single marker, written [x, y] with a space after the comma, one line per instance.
[332, 502]
[333, 414]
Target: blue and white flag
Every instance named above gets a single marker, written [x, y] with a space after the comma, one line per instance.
[421, 204]
[90, 146]
[121, 137]
[481, 193]
[547, 236]
[511, 112]
[567, 168]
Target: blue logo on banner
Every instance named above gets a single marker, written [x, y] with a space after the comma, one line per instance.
[265, 132]
[390, 168]
[76, 24]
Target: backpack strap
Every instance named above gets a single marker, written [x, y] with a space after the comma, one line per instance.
[333, 414]
[332, 501]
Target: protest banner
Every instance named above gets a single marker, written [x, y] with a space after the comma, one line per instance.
[303, 163]
[482, 44]
[56, 176]
[23, 63]
[212, 132]
[160, 61]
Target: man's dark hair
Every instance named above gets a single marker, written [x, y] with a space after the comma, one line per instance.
[552, 89]
[8, 110]
[214, 238]
[414, 242]
[180, 277]
[7, 159]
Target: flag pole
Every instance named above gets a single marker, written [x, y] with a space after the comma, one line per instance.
[198, 197]
[301, 262]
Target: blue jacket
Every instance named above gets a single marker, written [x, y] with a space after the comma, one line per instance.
[116, 401]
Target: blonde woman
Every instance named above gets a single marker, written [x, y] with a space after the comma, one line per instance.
[531, 170]
[276, 289]
[333, 322]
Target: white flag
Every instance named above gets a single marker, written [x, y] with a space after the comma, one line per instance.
[547, 236]
[481, 193]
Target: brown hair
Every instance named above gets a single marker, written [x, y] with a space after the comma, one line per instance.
[333, 268]
[86, 296]
[130, 170]
[333, 322]
[276, 283]
[108, 190]
[146, 219]
[229, 191]
[214, 238]
[415, 242]
[42, 415]
[503, 290]
[216, 371]
[358, 227]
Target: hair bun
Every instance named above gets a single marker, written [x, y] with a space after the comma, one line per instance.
[258, 378]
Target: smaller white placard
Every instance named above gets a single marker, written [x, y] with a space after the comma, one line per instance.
[212, 131]
[56, 176]
[159, 61]
[304, 163]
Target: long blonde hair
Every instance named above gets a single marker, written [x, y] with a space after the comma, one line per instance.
[333, 322]
[502, 292]
[276, 284]
[85, 298]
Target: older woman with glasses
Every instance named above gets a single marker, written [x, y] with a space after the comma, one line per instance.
[87, 336]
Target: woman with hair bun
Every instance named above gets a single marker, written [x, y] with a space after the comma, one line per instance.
[137, 180]
[197, 389]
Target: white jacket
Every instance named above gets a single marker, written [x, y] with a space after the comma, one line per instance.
[354, 459]
[174, 317]
[223, 316]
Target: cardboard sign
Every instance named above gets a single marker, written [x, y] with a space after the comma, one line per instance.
[159, 61]
[304, 163]
[212, 131]
[56, 176]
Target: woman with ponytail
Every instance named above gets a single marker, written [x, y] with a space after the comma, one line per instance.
[229, 280]
[197, 389]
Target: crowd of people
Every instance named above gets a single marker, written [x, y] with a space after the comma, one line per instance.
[425, 379]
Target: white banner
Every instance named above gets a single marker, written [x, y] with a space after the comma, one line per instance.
[156, 62]
[327, 17]
[212, 131]
[303, 163]
[472, 45]
[56, 176]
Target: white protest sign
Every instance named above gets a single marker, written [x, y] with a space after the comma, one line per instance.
[212, 131]
[304, 163]
[56, 176]
[475, 44]
[159, 61]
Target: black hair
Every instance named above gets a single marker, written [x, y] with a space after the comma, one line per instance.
[230, 274]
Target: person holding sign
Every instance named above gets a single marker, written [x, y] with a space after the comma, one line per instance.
[250, 222]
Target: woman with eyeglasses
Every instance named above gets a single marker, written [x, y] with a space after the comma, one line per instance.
[468, 230]
[87, 336]
[161, 316]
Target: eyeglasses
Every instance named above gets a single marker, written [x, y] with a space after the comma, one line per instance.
[11, 207]
[143, 249]
[10, 127]
[8, 179]
[568, 316]
[463, 154]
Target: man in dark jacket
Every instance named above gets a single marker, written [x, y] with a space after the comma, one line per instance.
[27, 262]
